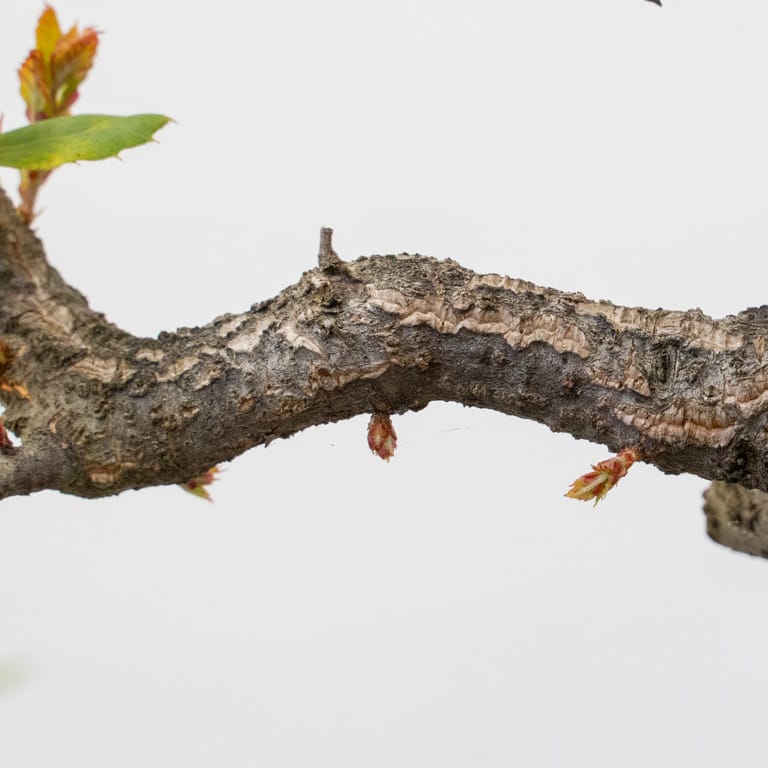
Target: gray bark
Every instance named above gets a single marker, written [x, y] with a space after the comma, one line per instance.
[108, 411]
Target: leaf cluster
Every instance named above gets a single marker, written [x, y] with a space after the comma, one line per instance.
[50, 79]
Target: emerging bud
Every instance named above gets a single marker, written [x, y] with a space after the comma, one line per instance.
[382, 439]
[605, 474]
[196, 486]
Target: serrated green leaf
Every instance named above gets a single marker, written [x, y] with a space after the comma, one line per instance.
[50, 143]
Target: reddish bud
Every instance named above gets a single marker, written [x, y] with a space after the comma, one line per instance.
[382, 439]
[49, 78]
[604, 475]
[196, 486]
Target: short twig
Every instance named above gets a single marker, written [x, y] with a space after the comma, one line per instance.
[326, 255]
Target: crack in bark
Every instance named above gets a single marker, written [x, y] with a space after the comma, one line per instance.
[384, 334]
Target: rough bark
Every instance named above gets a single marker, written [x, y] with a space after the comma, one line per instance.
[737, 517]
[108, 411]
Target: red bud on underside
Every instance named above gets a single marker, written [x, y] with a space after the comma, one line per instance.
[382, 439]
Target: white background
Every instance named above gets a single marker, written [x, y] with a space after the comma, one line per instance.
[449, 608]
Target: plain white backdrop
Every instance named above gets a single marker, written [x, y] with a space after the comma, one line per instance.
[449, 608]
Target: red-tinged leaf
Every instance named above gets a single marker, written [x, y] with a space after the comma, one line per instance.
[68, 36]
[35, 89]
[604, 476]
[382, 439]
[53, 71]
[48, 33]
[70, 62]
[196, 486]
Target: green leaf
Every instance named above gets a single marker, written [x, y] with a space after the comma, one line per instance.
[50, 143]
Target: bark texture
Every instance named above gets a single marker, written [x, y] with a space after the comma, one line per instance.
[108, 411]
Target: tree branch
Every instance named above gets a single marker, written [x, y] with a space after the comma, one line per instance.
[108, 411]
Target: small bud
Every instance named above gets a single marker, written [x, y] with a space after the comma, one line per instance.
[382, 439]
[605, 474]
[196, 486]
